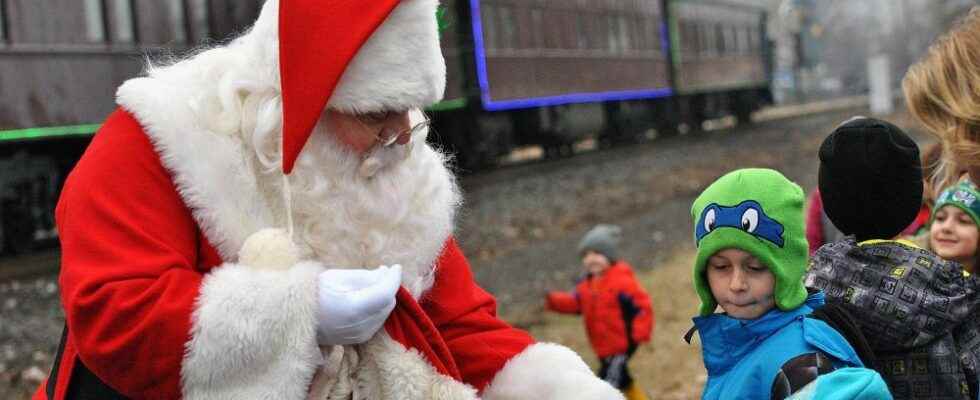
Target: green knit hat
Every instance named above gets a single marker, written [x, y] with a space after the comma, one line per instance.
[760, 212]
[963, 195]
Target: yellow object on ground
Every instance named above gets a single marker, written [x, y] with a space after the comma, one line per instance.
[634, 392]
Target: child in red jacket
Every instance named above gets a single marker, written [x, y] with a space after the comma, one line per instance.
[616, 310]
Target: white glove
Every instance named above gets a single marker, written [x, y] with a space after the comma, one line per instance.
[354, 303]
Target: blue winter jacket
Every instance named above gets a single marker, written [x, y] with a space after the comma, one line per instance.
[845, 384]
[743, 357]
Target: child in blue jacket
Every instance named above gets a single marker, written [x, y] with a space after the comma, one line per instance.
[751, 257]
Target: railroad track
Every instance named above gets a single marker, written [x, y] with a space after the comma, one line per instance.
[46, 261]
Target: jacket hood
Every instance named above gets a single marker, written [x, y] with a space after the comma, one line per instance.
[908, 295]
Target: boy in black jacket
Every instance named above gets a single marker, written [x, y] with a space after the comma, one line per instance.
[916, 310]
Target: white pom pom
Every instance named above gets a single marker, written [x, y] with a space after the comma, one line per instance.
[269, 249]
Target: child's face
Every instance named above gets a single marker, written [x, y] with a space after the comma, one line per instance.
[953, 235]
[595, 263]
[741, 285]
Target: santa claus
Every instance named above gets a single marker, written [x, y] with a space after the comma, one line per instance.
[265, 220]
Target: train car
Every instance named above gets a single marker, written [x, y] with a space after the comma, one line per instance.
[60, 64]
[520, 72]
[720, 60]
[551, 72]
[548, 72]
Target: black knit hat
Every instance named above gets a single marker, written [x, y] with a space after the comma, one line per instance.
[870, 178]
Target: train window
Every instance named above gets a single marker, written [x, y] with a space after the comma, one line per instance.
[221, 18]
[689, 39]
[698, 40]
[741, 41]
[199, 19]
[749, 47]
[3, 21]
[639, 33]
[706, 40]
[651, 38]
[748, 40]
[537, 41]
[731, 36]
[178, 22]
[598, 26]
[612, 34]
[508, 31]
[723, 37]
[489, 18]
[552, 31]
[94, 21]
[581, 32]
[625, 30]
[720, 38]
[647, 37]
[653, 35]
[619, 39]
[737, 40]
[122, 21]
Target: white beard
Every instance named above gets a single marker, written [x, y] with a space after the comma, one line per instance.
[402, 214]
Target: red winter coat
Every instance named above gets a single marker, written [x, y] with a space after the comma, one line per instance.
[133, 262]
[610, 304]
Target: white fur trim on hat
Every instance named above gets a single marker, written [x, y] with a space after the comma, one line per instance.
[399, 67]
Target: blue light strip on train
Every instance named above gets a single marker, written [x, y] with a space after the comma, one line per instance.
[481, 60]
[571, 98]
[490, 104]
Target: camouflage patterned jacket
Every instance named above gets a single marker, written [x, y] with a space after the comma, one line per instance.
[917, 311]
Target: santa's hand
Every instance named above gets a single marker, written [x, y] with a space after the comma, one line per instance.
[354, 303]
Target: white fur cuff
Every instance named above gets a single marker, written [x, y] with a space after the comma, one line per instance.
[253, 334]
[547, 371]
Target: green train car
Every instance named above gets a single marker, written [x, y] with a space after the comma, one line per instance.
[60, 64]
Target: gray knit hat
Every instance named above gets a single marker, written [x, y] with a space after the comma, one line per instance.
[602, 239]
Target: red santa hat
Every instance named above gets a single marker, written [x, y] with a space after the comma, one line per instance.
[353, 56]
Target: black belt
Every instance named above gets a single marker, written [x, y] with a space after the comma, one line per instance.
[83, 385]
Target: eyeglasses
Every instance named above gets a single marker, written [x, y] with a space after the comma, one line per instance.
[386, 137]
[390, 139]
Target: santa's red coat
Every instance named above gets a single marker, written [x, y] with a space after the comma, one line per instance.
[134, 259]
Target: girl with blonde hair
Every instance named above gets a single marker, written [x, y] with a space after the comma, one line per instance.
[942, 91]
